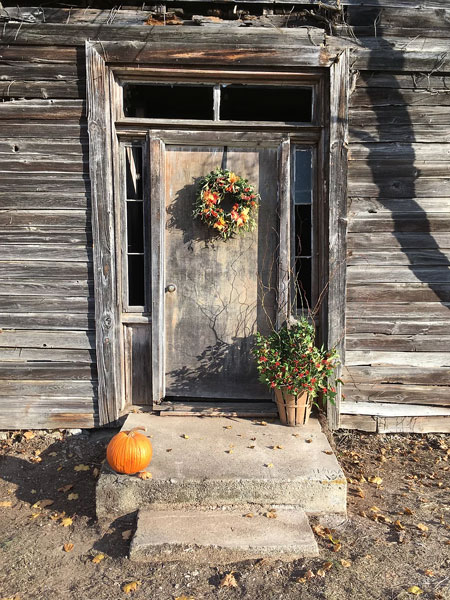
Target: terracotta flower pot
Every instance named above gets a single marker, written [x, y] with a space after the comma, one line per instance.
[293, 410]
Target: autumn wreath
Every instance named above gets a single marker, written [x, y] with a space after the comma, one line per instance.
[226, 202]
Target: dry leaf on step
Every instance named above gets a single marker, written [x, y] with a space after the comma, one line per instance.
[43, 503]
[376, 480]
[346, 563]
[145, 475]
[72, 496]
[81, 467]
[66, 522]
[5, 503]
[126, 534]
[228, 580]
[130, 587]
[271, 514]
[414, 589]
[269, 465]
[98, 558]
[68, 547]
[65, 488]
[28, 435]
[422, 527]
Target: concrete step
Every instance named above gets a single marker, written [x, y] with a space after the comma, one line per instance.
[216, 461]
[221, 536]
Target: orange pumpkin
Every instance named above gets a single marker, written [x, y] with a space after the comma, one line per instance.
[129, 451]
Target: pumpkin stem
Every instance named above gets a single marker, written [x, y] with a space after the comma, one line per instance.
[130, 433]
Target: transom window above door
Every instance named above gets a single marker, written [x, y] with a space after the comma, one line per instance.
[219, 102]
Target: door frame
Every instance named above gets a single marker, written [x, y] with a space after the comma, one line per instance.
[157, 141]
[103, 61]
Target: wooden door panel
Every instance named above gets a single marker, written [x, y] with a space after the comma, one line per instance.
[225, 290]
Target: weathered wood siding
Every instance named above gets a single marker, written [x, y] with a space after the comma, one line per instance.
[397, 310]
[47, 339]
[397, 375]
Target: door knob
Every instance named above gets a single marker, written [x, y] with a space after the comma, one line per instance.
[171, 288]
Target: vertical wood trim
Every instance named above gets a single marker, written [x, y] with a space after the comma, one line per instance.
[105, 276]
[284, 262]
[339, 90]
[157, 214]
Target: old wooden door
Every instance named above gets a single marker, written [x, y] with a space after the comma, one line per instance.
[210, 296]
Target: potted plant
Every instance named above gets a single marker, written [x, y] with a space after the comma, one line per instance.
[297, 370]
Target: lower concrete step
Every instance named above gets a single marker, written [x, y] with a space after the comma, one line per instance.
[221, 536]
[228, 461]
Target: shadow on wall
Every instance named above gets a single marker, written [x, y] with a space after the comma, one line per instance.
[396, 178]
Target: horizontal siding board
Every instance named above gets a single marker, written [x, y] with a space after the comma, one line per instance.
[42, 201]
[60, 321]
[397, 152]
[45, 182]
[43, 89]
[380, 409]
[407, 375]
[398, 292]
[396, 326]
[404, 117]
[363, 207]
[413, 424]
[42, 109]
[60, 218]
[412, 166]
[406, 187]
[403, 133]
[46, 370]
[12, 70]
[47, 340]
[406, 394]
[55, 269]
[401, 310]
[46, 304]
[47, 389]
[399, 257]
[396, 359]
[58, 130]
[46, 355]
[32, 163]
[360, 422]
[369, 96]
[394, 239]
[401, 223]
[48, 147]
[46, 252]
[41, 54]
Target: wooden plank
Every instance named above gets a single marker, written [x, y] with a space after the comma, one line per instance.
[374, 97]
[403, 132]
[105, 277]
[42, 109]
[389, 274]
[218, 409]
[414, 425]
[399, 257]
[76, 130]
[407, 375]
[412, 117]
[373, 168]
[400, 187]
[46, 355]
[408, 394]
[35, 71]
[385, 358]
[69, 147]
[389, 31]
[24, 234]
[47, 252]
[83, 390]
[47, 287]
[400, 152]
[46, 370]
[44, 304]
[50, 340]
[405, 240]
[45, 182]
[138, 364]
[42, 201]
[35, 416]
[337, 177]
[46, 34]
[41, 54]
[383, 14]
[361, 422]
[20, 88]
[398, 292]
[380, 409]
[394, 58]
[59, 218]
[401, 223]
[56, 269]
[401, 310]
[37, 320]
[390, 326]
[397, 343]
[24, 163]
[359, 207]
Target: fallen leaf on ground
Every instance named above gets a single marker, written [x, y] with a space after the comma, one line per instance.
[407, 511]
[359, 492]
[65, 488]
[327, 566]
[185, 598]
[95, 472]
[130, 587]
[145, 475]
[414, 589]
[277, 447]
[43, 503]
[269, 465]
[398, 525]
[68, 547]
[271, 514]
[320, 573]
[66, 522]
[168, 449]
[375, 480]
[327, 452]
[228, 581]
[308, 441]
[346, 563]
[186, 437]
[251, 446]
[309, 574]
[249, 515]
[98, 558]
[230, 451]
[28, 435]
[5, 503]
[227, 426]
[422, 527]
[126, 534]
[72, 496]
[263, 423]
[53, 454]
[81, 467]
[429, 572]
[375, 509]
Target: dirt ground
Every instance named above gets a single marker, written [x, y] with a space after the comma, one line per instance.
[395, 542]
